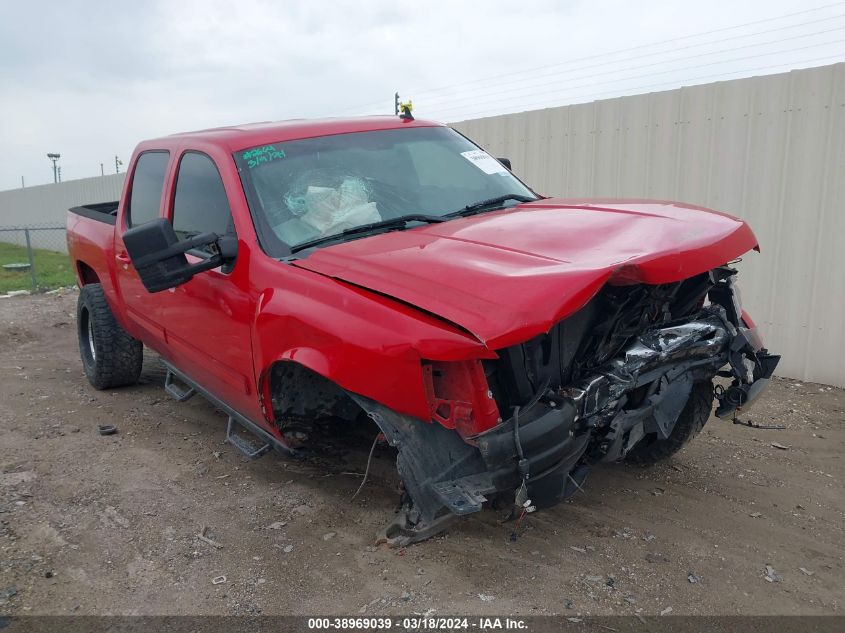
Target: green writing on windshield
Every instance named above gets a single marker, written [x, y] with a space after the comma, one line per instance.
[260, 155]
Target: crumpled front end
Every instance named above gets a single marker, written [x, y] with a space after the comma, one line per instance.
[614, 374]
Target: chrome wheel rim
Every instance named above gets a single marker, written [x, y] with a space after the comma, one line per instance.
[91, 338]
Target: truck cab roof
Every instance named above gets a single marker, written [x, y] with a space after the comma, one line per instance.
[237, 137]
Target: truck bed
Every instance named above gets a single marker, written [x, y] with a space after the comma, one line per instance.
[90, 237]
[101, 211]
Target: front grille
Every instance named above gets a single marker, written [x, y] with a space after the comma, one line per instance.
[588, 338]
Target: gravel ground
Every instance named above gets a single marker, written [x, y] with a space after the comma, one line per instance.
[108, 525]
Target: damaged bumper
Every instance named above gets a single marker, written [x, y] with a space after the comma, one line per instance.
[540, 455]
[544, 445]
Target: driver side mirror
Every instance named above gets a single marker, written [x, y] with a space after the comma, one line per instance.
[159, 256]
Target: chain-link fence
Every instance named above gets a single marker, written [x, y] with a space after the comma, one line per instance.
[34, 258]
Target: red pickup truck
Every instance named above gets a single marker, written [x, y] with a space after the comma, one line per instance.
[504, 342]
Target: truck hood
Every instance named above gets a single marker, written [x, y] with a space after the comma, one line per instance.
[509, 275]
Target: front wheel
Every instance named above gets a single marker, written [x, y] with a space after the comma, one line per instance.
[691, 420]
[110, 357]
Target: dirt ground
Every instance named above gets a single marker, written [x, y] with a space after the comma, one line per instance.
[108, 525]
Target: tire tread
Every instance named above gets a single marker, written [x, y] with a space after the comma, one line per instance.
[119, 356]
[694, 416]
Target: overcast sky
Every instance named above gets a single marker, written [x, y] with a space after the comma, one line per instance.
[90, 79]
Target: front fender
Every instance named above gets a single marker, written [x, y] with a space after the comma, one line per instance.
[313, 359]
[363, 342]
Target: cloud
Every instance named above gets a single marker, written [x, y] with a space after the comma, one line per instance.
[90, 79]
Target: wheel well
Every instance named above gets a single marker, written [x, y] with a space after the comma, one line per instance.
[86, 274]
[298, 392]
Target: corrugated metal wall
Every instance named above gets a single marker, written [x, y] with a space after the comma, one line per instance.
[47, 204]
[770, 150]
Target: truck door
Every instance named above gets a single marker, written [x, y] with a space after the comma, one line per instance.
[207, 321]
[143, 204]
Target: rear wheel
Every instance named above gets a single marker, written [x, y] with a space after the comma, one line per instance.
[110, 357]
[692, 419]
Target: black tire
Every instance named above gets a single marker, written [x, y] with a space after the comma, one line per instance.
[692, 419]
[110, 357]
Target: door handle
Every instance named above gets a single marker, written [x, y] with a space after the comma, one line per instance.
[123, 258]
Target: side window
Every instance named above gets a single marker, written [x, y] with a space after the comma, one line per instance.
[200, 204]
[147, 184]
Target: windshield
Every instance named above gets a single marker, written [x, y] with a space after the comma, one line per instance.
[308, 189]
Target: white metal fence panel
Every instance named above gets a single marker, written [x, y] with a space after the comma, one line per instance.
[47, 205]
[770, 150]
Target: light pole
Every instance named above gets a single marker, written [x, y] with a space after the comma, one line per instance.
[54, 157]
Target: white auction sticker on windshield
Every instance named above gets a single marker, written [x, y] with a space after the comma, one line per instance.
[484, 161]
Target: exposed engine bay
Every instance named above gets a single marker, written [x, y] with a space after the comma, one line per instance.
[608, 382]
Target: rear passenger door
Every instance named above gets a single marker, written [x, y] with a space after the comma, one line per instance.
[207, 320]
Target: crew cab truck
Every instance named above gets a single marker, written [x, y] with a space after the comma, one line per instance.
[504, 342]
